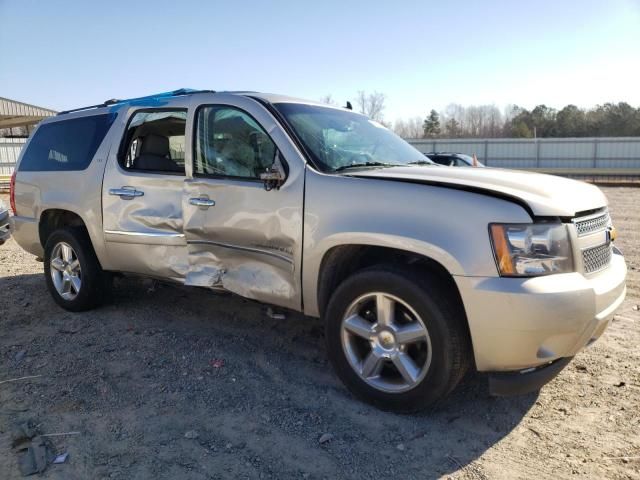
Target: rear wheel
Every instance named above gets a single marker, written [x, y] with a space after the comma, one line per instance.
[395, 338]
[72, 271]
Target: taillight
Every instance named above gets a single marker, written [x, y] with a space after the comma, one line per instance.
[12, 193]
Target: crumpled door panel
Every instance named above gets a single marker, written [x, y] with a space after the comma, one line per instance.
[249, 243]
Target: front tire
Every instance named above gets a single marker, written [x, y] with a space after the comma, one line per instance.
[396, 338]
[72, 271]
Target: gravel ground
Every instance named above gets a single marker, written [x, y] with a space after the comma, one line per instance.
[169, 382]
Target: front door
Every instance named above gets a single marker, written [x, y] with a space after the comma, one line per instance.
[142, 196]
[240, 236]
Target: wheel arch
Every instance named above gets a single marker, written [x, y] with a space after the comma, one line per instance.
[52, 219]
[341, 261]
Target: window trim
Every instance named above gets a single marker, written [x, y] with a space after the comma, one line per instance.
[229, 177]
[122, 149]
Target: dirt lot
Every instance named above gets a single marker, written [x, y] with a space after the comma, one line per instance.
[135, 376]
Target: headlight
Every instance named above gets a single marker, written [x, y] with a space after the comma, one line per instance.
[526, 250]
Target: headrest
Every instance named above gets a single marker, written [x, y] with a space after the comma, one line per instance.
[153, 144]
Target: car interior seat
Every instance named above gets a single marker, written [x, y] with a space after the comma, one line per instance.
[154, 155]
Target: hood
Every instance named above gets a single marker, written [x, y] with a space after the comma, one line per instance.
[545, 195]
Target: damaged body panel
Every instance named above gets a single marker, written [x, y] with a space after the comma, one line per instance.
[249, 242]
[204, 228]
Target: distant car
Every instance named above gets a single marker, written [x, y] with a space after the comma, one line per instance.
[453, 159]
[5, 232]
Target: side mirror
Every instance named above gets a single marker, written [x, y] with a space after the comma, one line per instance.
[274, 176]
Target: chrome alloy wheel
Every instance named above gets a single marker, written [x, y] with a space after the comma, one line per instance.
[386, 342]
[65, 271]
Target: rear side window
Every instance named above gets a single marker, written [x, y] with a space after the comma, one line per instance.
[154, 142]
[66, 145]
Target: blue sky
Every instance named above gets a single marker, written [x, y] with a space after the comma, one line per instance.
[421, 54]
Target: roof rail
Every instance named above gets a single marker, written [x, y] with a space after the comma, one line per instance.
[157, 96]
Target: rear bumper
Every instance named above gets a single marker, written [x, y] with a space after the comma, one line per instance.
[519, 383]
[517, 324]
[26, 234]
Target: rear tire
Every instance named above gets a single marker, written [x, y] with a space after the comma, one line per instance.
[406, 363]
[72, 271]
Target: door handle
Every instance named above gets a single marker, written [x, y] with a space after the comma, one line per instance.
[202, 202]
[125, 193]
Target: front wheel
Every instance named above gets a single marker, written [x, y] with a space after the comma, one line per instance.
[396, 338]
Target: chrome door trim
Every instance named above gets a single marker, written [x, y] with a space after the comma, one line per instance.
[242, 248]
[150, 238]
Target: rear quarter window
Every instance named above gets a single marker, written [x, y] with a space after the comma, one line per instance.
[66, 145]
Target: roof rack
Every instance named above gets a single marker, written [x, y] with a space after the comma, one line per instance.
[115, 101]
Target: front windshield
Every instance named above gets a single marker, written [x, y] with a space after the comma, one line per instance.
[340, 139]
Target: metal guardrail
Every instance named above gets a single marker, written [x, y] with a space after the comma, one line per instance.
[603, 156]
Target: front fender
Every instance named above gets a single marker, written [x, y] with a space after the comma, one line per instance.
[446, 225]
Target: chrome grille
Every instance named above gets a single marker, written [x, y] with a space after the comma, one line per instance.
[591, 224]
[596, 258]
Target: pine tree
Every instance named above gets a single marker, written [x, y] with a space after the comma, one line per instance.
[431, 124]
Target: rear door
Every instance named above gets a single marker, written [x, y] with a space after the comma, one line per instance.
[142, 195]
[240, 236]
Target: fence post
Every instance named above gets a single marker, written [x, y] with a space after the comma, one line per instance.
[434, 147]
[537, 140]
[595, 153]
[486, 152]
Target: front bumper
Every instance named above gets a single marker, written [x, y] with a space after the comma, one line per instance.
[518, 383]
[519, 323]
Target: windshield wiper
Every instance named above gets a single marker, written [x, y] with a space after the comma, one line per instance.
[421, 162]
[364, 164]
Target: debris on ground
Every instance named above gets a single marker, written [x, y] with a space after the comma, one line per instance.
[191, 434]
[23, 432]
[35, 453]
[35, 456]
[19, 378]
[276, 314]
[62, 458]
[19, 356]
[327, 437]
[217, 362]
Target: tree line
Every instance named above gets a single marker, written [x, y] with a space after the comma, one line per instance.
[488, 121]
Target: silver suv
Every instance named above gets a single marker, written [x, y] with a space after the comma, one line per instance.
[419, 272]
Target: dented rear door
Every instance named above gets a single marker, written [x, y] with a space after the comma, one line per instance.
[241, 237]
[142, 208]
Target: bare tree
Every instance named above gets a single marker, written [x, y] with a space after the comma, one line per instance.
[409, 128]
[371, 105]
[328, 99]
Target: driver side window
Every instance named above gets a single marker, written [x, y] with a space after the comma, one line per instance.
[230, 143]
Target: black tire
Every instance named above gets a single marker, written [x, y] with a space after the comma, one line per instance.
[96, 283]
[442, 315]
